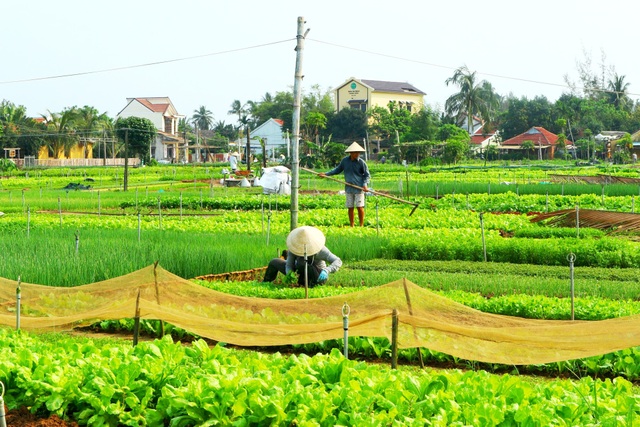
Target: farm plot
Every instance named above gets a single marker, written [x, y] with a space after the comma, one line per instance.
[440, 247]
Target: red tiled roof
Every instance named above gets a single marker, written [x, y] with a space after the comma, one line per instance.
[538, 135]
[158, 108]
[480, 136]
[477, 139]
[280, 122]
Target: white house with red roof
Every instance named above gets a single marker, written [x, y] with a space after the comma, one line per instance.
[543, 140]
[480, 140]
[169, 145]
[273, 135]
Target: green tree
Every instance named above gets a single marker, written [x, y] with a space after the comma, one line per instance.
[618, 92]
[423, 126]
[314, 122]
[456, 142]
[137, 133]
[528, 146]
[91, 126]
[390, 122]
[473, 98]
[349, 124]
[202, 118]
[61, 128]
[19, 131]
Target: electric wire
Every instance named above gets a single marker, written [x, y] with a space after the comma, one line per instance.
[148, 64]
[431, 64]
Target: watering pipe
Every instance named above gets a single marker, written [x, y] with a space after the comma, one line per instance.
[415, 205]
[3, 421]
[345, 325]
[18, 298]
[306, 274]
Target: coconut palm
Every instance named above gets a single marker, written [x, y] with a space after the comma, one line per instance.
[474, 97]
[237, 108]
[90, 124]
[202, 118]
[618, 89]
[62, 135]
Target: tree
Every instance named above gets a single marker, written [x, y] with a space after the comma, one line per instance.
[456, 143]
[617, 94]
[314, 122]
[137, 134]
[473, 98]
[423, 125]
[202, 118]
[18, 130]
[391, 121]
[528, 146]
[62, 132]
[347, 125]
[90, 123]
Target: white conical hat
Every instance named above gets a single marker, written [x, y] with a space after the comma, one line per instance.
[355, 147]
[305, 239]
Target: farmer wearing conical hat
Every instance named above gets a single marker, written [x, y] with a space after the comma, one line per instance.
[233, 161]
[305, 244]
[357, 174]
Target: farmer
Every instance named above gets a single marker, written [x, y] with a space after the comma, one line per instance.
[305, 242]
[357, 174]
[233, 161]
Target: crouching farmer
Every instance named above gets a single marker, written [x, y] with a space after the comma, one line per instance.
[306, 242]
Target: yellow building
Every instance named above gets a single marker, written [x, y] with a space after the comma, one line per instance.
[366, 94]
[82, 150]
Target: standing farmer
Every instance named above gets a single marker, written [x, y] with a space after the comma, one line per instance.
[356, 173]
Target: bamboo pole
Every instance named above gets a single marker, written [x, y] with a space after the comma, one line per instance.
[394, 339]
[415, 205]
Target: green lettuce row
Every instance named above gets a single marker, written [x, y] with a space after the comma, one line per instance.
[162, 383]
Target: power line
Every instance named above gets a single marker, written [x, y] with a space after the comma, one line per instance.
[400, 58]
[148, 64]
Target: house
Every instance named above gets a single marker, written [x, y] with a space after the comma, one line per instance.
[480, 140]
[366, 94]
[169, 145]
[543, 141]
[81, 150]
[476, 124]
[271, 132]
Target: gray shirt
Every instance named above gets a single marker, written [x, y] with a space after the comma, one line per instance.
[356, 172]
[320, 260]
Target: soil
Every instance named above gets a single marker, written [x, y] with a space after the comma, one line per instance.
[23, 418]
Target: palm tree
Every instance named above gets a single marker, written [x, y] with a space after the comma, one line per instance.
[89, 121]
[528, 146]
[237, 108]
[63, 137]
[473, 98]
[202, 118]
[618, 89]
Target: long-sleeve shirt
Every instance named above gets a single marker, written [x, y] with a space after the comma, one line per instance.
[356, 172]
[324, 260]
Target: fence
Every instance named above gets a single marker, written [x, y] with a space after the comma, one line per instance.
[32, 162]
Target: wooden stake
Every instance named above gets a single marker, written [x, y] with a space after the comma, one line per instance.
[394, 339]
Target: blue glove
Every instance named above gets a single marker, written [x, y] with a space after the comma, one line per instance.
[323, 276]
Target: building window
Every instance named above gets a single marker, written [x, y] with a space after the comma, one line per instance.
[358, 104]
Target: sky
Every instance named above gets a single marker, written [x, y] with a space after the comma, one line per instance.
[210, 53]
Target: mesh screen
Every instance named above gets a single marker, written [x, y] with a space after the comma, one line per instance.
[425, 318]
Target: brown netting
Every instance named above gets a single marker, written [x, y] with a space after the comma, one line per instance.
[425, 318]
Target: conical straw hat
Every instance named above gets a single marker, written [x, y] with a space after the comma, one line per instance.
[305, 239]
[355, 147]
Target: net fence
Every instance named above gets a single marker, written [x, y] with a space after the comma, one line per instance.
[425, 319]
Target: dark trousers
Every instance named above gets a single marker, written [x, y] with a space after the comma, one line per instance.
[279, 265]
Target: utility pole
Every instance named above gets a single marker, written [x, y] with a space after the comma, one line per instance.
[297, 95]
[126, 160]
